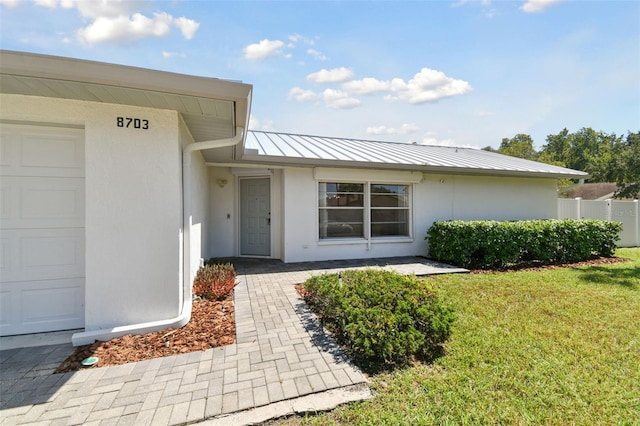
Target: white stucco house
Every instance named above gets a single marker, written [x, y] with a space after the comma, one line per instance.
[118, 181]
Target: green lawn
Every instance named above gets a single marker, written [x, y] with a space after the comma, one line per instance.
[554, 347]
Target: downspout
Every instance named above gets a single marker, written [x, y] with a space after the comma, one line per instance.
[186, 211]
[88, 337]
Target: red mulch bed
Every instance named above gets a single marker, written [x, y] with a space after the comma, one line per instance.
[212, 325]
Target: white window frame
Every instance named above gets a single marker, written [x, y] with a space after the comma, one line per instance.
[362, 209]
[366, 214]
[407, 208]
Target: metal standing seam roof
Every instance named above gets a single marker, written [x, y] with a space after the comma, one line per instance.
[287, 148]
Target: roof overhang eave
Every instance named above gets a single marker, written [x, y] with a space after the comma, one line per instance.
[121, 76]
[30, 66]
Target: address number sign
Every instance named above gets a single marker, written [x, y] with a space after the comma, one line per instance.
[133, 123]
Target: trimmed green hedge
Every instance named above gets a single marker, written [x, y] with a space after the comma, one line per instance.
[381, 318]
[495, 245]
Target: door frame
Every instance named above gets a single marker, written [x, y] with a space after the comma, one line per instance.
[239, 180]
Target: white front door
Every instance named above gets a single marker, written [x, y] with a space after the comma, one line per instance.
[42, 229]
[255, 216]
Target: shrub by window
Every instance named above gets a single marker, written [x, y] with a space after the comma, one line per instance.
[490, 244]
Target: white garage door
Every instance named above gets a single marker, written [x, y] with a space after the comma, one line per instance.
[42, 229]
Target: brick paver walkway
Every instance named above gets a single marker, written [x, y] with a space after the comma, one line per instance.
[281, 352]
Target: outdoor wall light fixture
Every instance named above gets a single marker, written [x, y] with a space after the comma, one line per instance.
[222, 182]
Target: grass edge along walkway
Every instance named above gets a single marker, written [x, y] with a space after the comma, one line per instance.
[550, 347]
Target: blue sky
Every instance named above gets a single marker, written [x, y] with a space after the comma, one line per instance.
[465, 73]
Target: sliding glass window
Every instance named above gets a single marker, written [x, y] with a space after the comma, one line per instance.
[341, 210]
[389, 210]
[358, 210]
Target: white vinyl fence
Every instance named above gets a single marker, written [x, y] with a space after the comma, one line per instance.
[611, 210]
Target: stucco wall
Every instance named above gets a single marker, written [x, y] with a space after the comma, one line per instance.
[133, 206]
[437, 197]
[222, 213]
[199, 206]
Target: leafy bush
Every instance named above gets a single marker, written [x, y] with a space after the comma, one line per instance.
[491, 244]
[382, 318]
[214, 282]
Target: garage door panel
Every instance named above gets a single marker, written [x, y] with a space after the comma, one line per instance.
[36, 254]
[8, 195]
[42, 151]
[42, 202]
[5, 147]
[5, 255]
[42, 238]
[6, 308]
[55, 302]
[52, 151]
[40, 306]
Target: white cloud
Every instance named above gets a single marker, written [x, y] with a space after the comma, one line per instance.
[404, 129]
[125, 29]
[169, 55]
[335, 75]
[481, 113]
[188, 27]
[263, 49]
[338, 99]
[428, 85]
[9, 3]
[121, 21]
[302, 95]
[316, 55]
[266, 125]
[459, 3]
[366, 85]
[52, 3]
[437, 142]
[104, 9]
[488, 11]
[430, 138]
[536, 6]
[294, 38]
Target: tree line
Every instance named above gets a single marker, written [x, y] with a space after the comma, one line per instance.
[607, 157]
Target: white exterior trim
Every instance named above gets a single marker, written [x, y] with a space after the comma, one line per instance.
[359, 175]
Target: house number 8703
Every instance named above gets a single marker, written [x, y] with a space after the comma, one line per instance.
[135, 123]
